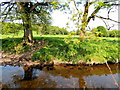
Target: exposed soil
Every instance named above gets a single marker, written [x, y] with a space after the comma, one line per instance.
[14, 59]
[24, 58]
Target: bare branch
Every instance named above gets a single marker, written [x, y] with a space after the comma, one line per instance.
[105, 23]
[77, 10]
[5, 8]
[75, 5]
[8, 12]
[4, 3]
[107, 26]
[114, 4]
[106, 18]
[109, 11]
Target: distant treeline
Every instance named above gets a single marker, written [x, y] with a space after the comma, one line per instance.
[100, 31]
[41, 29]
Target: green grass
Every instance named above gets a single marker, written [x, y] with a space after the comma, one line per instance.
[59, 36]
[110, 38]
[35, 35]
[11, 35]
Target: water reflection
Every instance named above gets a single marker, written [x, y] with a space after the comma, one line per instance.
[101, 81]
[60, 77]
[10, 74]
[28, 72]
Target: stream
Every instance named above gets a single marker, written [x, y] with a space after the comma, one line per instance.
[61, 76]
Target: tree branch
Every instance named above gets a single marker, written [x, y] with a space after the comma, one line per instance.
[105, 23]
[86, 12]
[5, 8]
[4, 3]
[107, 26]
[37, 4]
[8, 12]
[75, 5]
[106, 18]
[114, 4]
[94, 12]
[109, 11]
[77, 10]
[19, 6]
[97, 9]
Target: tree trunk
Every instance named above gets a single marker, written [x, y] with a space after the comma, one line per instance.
[28, 36]
[84, 21]
[82, 35]
[24, 9]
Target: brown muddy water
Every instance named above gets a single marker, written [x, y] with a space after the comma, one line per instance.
[62, 76]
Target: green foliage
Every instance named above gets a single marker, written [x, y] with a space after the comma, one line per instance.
[12, 45]
[95, 31]
[73, 33]
[102, 31]
[15, 28]
[54, 30]
[11, 28]
[100, 4]
[55, 4]
[72, 50]
[113, 33]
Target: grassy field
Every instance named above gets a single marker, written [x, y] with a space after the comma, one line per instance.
[59, 36]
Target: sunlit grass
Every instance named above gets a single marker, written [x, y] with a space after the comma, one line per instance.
[110, 38]
[36, 35]
[10, 36]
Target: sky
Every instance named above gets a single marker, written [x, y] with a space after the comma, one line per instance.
[60, 19]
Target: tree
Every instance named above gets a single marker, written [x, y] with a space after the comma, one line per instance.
[82, 18]
[25, 11]
[63, 31]
[101, 31]
[11, 28]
